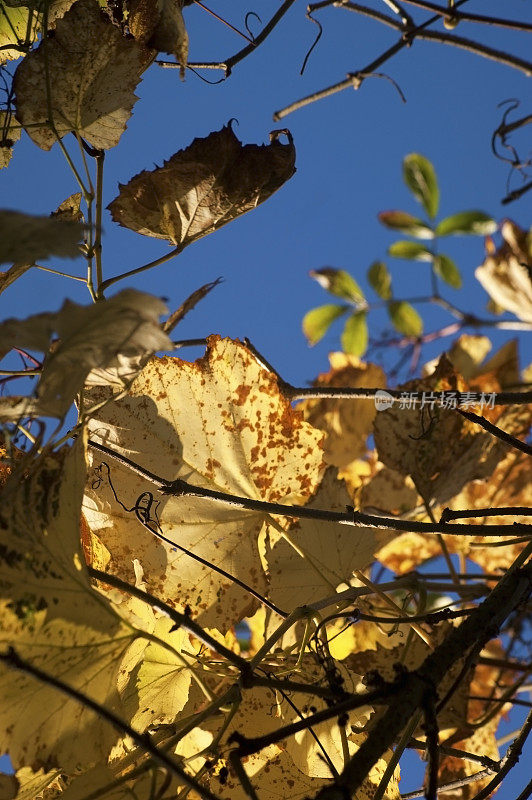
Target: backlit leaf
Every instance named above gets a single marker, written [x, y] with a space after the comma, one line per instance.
[218, 423]
[406, 223]
[317, 321]
[420, 177]
[380, 279]
[9, 134]
[93, 71]
[339, 283]
[474, 222]
[405, 318]
[413, 251]
[447, 270]
[206, 185]
[355, 334]
[506, 273]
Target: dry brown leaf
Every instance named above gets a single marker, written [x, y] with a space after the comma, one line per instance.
[328, 552]
[25, 238]
[347, 423]
[70, 209]
[482, 743]
[411, 654]
[438, 448]
[160, 25]
[93, 72]
[12, 274]
[199, 189]
[9, 134]
[218, 423]
[90, 337]
[506, 273]
[509, 485]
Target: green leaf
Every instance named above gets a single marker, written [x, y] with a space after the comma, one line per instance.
[339, 283]
[405, 318]
[380, 279]
[355, 334]
[420, 177]
[413, 251]
[406, 223]
[448, 271]
[317, 321]
[474, 222]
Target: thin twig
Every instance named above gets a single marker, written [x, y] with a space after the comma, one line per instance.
[12, 659]
[496, 431]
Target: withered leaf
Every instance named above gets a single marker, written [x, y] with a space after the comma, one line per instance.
[25, 238]
[90, 337]
[93, 71]
[199, 189]
[506, 273]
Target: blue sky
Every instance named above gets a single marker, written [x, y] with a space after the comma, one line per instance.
[349, 153]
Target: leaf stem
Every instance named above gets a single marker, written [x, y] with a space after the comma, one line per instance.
[109, 282]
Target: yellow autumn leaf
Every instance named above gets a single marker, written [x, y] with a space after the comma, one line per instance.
[506, 273]
[438, 448]
[346, 423]
[219, 423]
[53, 618]
[312, 558]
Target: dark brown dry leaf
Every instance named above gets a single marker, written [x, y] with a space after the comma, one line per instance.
[159, 24]
[93, 72]
[70, 209]
[11, 275]
[9, 134]
[203, 187]
[25, 238]
[437, 447]
[190, 303]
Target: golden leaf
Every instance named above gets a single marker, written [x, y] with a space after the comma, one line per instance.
[218, 423]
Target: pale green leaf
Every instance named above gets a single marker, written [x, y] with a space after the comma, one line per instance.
[420, 177]
[447, 270]
[405, 318]
[355, 334]
[317, 321]
[339, 283]
[473, 222]
[406, 223]
[380, 279]
[413, 251]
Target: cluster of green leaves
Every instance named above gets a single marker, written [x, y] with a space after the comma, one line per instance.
[420, 177]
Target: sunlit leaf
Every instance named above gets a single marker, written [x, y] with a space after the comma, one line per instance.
[406, 223]
[319, 556]
[447, 270]
[506, 273]
[420, 177]
[355, 334]
[93, 71]
[380, 279]
[414, 251]
[346, 423]
[218, 423]
[160, 25]
[474, 222]
[339, 283]
[54, 619]
[206, 185]
[15, 24]
[317, 321]
[438, 448]
[405, 318]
